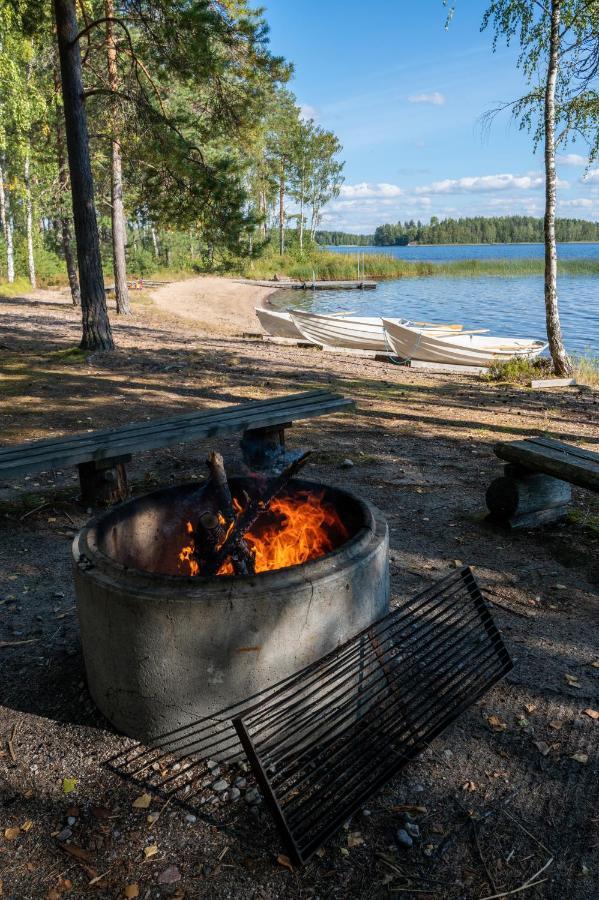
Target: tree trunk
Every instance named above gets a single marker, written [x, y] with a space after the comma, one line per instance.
[155, 242]
[97, 334]
[6, 222]
[29, 219]
[63, 184]
[119, 232]
[301, 221]
[282, 211]
[561, 362]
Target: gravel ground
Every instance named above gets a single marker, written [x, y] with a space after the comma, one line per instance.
[510, 790]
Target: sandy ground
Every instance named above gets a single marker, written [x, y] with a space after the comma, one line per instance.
[216, 305]
[498, 803]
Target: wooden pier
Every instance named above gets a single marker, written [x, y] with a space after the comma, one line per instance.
[314, 285]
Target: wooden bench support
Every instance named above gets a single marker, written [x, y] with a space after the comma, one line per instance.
[261, 447]
[524, 499]
[104, 481]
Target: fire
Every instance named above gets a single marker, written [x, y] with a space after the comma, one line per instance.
[292, 531]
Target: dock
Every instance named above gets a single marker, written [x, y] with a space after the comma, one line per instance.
[313, 285]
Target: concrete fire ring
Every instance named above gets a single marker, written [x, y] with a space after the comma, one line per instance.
[164, 651]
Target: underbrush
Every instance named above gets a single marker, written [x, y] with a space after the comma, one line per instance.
[522, 371]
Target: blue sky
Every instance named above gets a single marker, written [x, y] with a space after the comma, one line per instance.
[405, 97]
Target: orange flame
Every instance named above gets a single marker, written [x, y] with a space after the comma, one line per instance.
[292, 531]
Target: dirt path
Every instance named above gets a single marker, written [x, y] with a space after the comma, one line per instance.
[498, 801]
[216, 305]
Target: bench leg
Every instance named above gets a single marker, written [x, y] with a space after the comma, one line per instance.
[263, 448]
[103, 482]
[524, 499]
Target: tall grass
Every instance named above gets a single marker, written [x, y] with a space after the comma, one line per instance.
[522, 371]
[323, 265]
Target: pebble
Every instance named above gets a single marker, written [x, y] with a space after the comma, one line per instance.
[234, 793]
[404, 838]
[71, 820]
[418, 788]
[220, 786]
[65, 834]
[347, 464]
[190, 818]
[212, 764]
[240, 783]
[447, 754]
[413, 830]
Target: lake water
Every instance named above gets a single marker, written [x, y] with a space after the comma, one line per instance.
[510, 307]
[448, 252]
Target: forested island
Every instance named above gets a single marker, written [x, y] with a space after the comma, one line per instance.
[481, 230]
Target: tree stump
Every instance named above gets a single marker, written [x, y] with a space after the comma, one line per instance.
[262, 448]
[103, 482]
[523, 499]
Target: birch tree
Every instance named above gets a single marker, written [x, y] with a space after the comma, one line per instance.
[559, 55]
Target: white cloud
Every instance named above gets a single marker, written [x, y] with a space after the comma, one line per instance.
[365, 189]
[434, 97]
[482, 183]
[591, 176]
[579, 202]
[572, 159]
[307, 112]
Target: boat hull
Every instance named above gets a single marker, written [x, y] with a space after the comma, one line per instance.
[456, 349]
[278, 324]
[351, 332]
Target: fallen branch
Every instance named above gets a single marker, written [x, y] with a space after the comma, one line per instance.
[241, 556]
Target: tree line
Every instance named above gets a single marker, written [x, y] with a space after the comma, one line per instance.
[141, 133]
[482, 230]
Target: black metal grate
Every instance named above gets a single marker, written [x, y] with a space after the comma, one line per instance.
[333, 735]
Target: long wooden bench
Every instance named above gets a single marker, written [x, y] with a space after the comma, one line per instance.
[101, 456]
[535, 488]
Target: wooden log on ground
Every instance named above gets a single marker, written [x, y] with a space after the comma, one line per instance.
[104, 482]
[524, 499]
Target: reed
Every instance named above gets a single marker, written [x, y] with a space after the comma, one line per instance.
[323, 265]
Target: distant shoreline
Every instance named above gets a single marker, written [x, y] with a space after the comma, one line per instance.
[454, 244]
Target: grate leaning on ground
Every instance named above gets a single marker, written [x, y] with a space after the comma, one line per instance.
[333, 735]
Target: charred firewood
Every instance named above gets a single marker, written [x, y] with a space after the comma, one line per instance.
[254, 510]
[242, 557]
[209, 536]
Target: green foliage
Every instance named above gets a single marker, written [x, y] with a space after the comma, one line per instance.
[520, 371]
[482, 230]
[343, 239]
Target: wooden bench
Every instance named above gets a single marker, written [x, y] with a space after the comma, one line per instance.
[101, 456]
[535, 488]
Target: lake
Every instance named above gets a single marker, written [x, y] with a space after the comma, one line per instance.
[448, 252]
[510, 307]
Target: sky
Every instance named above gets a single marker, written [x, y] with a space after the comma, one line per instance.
[405, 96]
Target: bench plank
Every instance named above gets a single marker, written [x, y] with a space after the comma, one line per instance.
[571, 467]
[55, 453]
[570, 449]
[140, 428]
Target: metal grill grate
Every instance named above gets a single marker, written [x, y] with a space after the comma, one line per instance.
[333, 735]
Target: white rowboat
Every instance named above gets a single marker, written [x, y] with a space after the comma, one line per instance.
[277, 324]
[460, 349]
[356, 332]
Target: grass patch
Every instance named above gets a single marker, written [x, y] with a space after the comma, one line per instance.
[324, 265]
[585, 520]
[586, 369]
[520, 371]
[69, 355]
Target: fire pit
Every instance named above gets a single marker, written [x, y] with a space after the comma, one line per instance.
[166, 647]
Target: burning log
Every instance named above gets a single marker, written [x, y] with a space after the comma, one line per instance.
[252, 513]
[214, 533]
